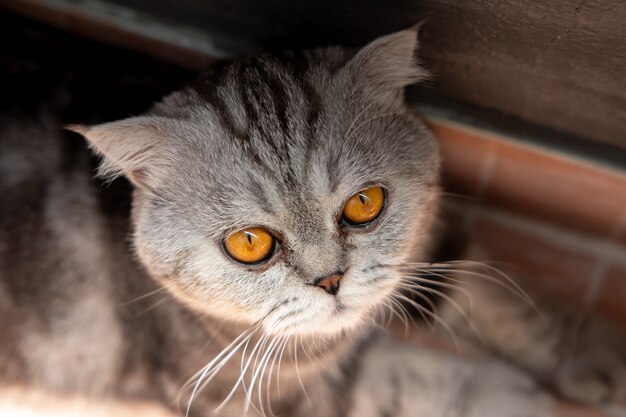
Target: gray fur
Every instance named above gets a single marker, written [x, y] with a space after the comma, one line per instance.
[279, 141]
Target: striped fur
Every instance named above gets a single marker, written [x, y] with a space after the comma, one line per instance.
[276, 140]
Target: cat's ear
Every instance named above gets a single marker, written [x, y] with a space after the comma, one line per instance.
[382, 68]
[134, 147]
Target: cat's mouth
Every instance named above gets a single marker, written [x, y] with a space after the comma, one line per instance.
[328, 318]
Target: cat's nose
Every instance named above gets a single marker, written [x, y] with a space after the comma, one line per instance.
[330, 284]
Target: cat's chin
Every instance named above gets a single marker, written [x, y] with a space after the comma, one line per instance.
[337, 322]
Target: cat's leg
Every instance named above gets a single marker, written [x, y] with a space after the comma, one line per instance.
[402, 380]
[580, 355]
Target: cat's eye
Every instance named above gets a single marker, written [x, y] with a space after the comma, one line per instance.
[365, 206]
[250, 246]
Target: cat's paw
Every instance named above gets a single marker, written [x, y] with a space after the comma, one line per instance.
[580, 355]
[594, 373]
[590, 361]
[401, 380]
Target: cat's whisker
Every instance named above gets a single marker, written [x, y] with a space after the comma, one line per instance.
[500, 273]
[271, 356]
[152, 306]
[406, 314]
[427, 300]
[281, 354]
[295, 350]
[376, 325]
[243, 360]
[262, 369]
[459, 196]
[249, 390]
[435, 317]
[389, 319]
[419, 310]
[378, 313]
[280, 360]
[141, 297]
[383, 315]
[454, 304]
[207, 368]
[243, 370]
[242, 374]
[222, 364]
[473, 263]
[392, 305]
[312, 345]
[449, 266]
[440, 273]
[415, 287]
[213, 374]
[304, 348]
[277, 355]
[223, 357]
[393, 313]
[316, 352]
[509, 285]
[420, 279]
[401, 311]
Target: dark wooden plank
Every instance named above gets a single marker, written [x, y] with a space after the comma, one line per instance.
[557, 63]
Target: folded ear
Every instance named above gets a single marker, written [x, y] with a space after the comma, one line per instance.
[134, 147]
[385, 66]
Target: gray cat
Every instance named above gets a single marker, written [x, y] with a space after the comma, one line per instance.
[279, 202]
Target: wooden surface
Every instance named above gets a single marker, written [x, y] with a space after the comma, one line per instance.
[558, 63]
[532, 181]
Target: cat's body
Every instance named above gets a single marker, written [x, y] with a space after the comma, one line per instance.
[278, 141]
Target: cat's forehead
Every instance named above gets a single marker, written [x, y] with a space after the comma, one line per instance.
[279, 110]
[294, 132]
[273, 136]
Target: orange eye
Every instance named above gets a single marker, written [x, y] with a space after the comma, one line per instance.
[251, 245]
[364, 206]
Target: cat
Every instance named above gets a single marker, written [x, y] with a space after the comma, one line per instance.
[278, 201]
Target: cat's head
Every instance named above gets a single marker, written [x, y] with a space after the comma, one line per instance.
[281, 189]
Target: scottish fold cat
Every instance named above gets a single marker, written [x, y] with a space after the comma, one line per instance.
[283, 204]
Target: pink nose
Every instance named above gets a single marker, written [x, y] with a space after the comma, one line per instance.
[330, 284]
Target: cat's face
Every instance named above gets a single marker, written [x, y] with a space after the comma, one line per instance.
[248, 204]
